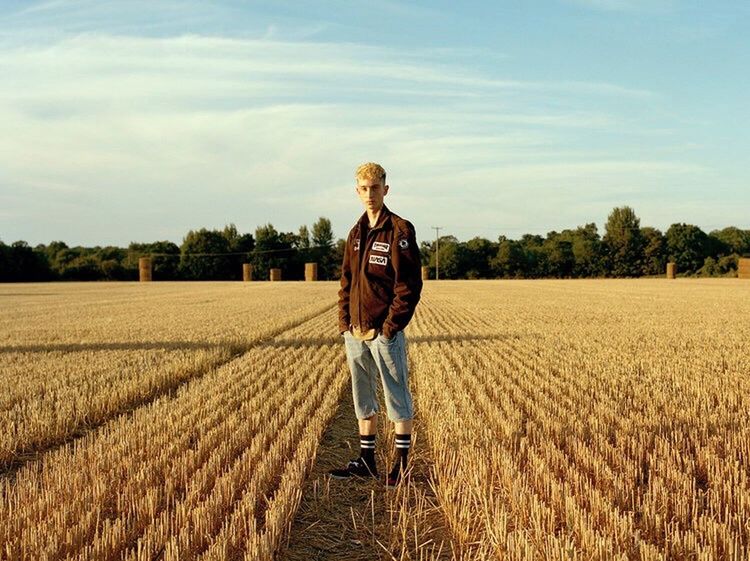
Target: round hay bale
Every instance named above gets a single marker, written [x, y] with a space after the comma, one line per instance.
[743, 268]
[275, 274]
[145, 269]
[425, 273]
[247, 272]
[311, 271]
[671, 270]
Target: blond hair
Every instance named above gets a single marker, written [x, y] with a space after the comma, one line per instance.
[370, 170]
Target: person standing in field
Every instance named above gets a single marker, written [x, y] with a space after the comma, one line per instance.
[381, 284]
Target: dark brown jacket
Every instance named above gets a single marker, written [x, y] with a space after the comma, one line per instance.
[381, 277]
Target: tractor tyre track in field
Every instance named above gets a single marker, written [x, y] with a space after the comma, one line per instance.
[169, 389]
[361, 520]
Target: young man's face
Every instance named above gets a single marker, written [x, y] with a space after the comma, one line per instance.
[371, 193]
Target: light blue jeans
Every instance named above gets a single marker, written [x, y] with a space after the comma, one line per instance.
[386, 359]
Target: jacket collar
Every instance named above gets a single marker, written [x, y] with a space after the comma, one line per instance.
[364, 221]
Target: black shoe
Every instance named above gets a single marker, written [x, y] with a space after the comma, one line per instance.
[355, 468]
[395, 476]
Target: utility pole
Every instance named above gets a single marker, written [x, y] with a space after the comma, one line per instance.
[437, 251]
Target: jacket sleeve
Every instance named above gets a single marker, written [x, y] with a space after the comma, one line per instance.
[408, 280]
[345, 290]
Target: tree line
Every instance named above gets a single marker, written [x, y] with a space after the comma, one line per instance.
[626, 249]
[203, 255]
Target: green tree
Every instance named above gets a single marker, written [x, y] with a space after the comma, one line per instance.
[587, 249]
[67, 261]
[425, 254]
[560, 259]
[112, 269]
[452, 262]
[688, 246]
[201, 256]
[166, 266]
[338, 253]
[293, 259]
[165, 259]
[654, 251]
[624, 244]
[534, 254]
[322, 233]
[727, 265]
[7, 265]
[304, 238]
[241, 247]
[734, 239]
[275, 250]
[710, 268]
[21, 263]
[510, 259]
[111, 253]
[322, 252]
[478, 253]
[83, 267]
[54, 252]
[238, 243]
[111, 262]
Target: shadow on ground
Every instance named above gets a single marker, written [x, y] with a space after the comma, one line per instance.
[359, 520]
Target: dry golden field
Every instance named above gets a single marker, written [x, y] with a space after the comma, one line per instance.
[554, 420]
[78, 354]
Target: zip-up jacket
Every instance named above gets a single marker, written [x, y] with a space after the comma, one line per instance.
[381, 279]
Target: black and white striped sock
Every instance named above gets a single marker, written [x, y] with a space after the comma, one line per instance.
[367, 448]
[403, 443]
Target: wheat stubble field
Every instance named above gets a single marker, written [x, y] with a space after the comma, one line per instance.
[591, 419]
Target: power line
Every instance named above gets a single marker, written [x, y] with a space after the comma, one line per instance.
[252, 252]
[705, 228]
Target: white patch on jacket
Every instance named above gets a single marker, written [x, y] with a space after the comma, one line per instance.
[381, 246]
[378, 259]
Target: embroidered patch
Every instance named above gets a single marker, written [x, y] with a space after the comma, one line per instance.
[379, 259]
[381, 246]
[356, 244]
[403, 244]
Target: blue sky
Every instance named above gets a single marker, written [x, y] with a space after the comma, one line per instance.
[139, 120]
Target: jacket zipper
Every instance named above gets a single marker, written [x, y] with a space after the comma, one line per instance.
[362, 265]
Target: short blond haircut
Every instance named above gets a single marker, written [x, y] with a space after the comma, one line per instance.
[370, 170]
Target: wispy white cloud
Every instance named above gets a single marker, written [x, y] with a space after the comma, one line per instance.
[216, 129]
[50, 6]
[270, 64]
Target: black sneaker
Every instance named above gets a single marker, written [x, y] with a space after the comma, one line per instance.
[395, 476]
[355, 468]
